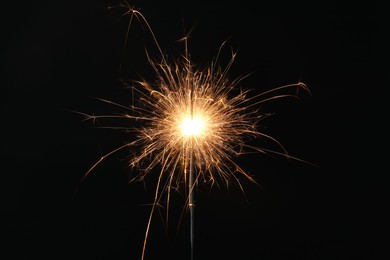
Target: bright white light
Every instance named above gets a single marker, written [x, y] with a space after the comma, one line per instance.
[193, 127]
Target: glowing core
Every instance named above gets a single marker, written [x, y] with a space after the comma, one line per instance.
[193, 126]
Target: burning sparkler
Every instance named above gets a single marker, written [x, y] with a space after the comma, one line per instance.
[194, 124]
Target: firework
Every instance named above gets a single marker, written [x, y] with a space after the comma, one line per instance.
[192, 124]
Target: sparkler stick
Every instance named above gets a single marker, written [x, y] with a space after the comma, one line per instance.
[192, 210]
[191, 173]
[193, 126]
[191, 181]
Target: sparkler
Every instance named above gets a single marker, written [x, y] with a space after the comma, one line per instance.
[195, 122]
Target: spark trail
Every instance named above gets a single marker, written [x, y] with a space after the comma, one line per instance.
[194, 124]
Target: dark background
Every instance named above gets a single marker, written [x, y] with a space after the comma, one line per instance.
[56, 54]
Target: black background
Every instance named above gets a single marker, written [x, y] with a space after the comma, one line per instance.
[56, 54]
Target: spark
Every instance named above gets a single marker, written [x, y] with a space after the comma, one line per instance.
[192, 124]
